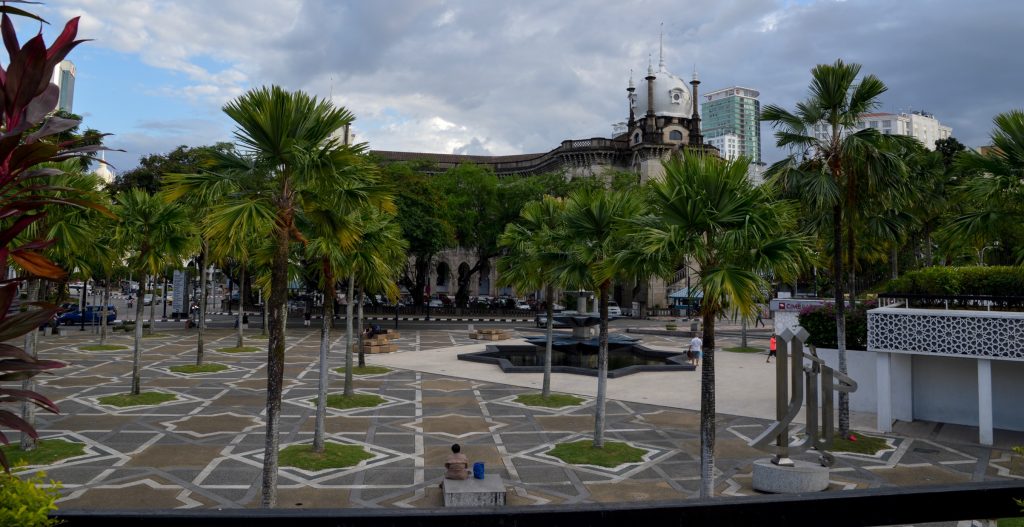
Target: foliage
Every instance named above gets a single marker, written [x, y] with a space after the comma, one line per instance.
[555, 400]
[149, 174]
[142, 399]
[27, 503]
[334, 456]
[860, 444]
[366, 370]
[199, 368]
[995, 281]
[46, 452]
[611, 455]
[340, 401]
[820, 323]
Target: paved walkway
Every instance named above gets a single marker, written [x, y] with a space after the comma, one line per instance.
[205, 449]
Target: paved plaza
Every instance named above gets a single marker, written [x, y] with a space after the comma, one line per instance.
[205, 448]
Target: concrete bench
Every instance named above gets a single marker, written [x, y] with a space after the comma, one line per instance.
[472, 492]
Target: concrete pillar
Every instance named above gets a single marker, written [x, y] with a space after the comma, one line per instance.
[901, 375]
[883, 382]
[985, 401]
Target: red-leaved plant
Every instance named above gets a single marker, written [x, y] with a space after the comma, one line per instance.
[27, 100]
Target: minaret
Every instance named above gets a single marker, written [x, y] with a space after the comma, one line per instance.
[650, 89]
[661, 48]
[631, 97]
[696, 139]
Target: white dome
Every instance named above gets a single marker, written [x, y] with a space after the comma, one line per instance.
[671, 96]
[105, 173]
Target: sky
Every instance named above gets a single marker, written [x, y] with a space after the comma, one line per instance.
[489, 77]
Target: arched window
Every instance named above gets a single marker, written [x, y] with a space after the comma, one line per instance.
[636, 138]
[675, 135]
[442, 274]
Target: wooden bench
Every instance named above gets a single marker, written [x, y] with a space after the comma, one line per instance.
[490, 334]
[380, 343]
[487, 492]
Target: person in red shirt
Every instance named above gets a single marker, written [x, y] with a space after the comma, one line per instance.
[771, 349]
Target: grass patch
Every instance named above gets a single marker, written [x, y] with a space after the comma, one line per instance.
[102, 347]
[258, 337]
[156, 336]
[861, 444]
[194, 368]
[555, 400]
[583, 453]
[741, 349]
[235, 349]
[142, 399]
[333, 456]
[1010, 522]
[340, 401]
[365, 370]
[47, 452]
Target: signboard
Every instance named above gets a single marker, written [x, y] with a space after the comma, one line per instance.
[178, 303]
[794, 305]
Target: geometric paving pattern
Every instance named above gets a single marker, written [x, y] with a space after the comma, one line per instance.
[205, 448]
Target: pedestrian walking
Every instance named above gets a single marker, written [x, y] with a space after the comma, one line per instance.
[305, 318]
[760, 318]
[771, 350]
[696, 349]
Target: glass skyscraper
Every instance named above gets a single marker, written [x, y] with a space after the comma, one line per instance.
[64, 78]
[733, 111]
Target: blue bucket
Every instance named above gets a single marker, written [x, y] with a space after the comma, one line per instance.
[478, 470]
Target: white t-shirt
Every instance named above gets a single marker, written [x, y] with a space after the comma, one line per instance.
[696, 343]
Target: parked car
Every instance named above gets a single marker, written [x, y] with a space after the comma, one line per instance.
[613, 309]
[523, 306]
[92, 314]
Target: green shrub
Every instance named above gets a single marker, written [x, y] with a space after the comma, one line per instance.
[820, 323]
[961, 281]
[26, 502]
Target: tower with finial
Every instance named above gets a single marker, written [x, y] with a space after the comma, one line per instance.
[104, 171]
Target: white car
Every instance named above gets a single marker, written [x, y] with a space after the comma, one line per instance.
[613, 309]
[434, 302]
[523, 306]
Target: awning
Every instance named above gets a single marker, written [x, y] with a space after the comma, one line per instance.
[685, 293]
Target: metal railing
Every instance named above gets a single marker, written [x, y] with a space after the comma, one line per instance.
[881, 506]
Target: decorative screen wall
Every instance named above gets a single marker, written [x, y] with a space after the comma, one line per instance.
[984, 334]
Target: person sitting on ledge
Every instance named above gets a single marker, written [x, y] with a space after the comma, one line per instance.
[457, 465]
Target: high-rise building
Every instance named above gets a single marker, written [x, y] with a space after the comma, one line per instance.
[64, 78]
[733, 111]
[921, 125]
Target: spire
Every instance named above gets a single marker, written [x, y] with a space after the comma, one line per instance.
[661, 48]
[695, 73]
[650, 66]
[631, 85]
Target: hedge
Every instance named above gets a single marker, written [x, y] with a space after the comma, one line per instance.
[820, 323]
[960, 281]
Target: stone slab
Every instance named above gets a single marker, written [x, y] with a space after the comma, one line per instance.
[487, 492]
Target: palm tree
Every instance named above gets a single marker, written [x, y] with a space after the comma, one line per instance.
[992, 188]
[156, 234]
[705, 213]
[593, 224]
[289, 139]
[833, 172]
[534, 250]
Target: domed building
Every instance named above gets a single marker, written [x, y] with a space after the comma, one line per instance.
[663, 119]
[104, 171]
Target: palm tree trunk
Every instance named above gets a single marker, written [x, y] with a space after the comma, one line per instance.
[266, 319]
[28, 410]
[103, 319]
[743, 332]
[928, 248]
[276, 346]
[359, 328]
[325, 346]
[348, 334]
[241, 306]
[152, 307]
[837, 273]
[602, 369]
[137, 351]
[549, 293]
[201, 323]
[707, 406]
[894, 263]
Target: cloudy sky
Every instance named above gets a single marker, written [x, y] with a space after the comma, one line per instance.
[489, 77]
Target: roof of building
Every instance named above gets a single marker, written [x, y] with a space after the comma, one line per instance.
[391, 155]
